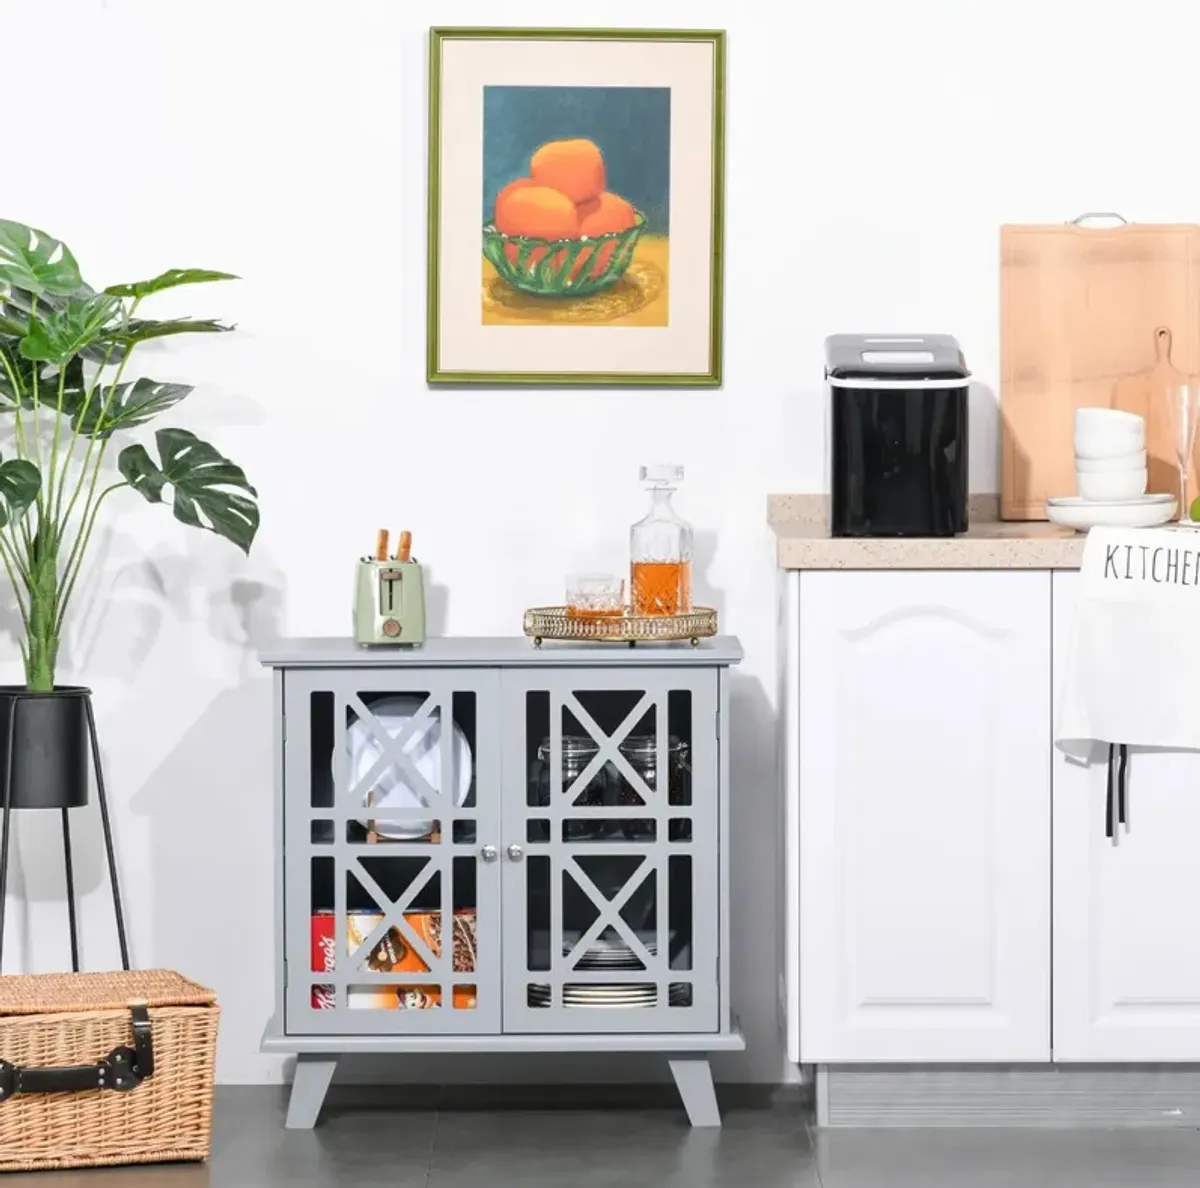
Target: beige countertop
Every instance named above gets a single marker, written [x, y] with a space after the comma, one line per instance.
[801, 525]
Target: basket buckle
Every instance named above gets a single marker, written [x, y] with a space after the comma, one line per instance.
[8, 1080]
[143, 1041]
[118, 1070]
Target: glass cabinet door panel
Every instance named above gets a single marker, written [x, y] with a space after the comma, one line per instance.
[610, 860]
[392, 826]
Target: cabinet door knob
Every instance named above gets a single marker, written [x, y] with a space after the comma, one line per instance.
[489, 853]
[515, 852]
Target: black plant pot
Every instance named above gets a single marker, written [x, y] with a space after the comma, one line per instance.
[44, 743]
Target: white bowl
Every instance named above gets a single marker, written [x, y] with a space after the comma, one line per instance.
[1092, 420]
[1108, 433]
[1111, 486]
[1109, 443]
[1133, 461]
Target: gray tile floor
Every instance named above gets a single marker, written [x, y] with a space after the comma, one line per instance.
[762, 1145]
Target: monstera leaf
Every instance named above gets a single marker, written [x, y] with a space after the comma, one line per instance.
[127, 405]
[48, 381]
[22, 368]
[17, 309]
[64, 335]
[32, 260]
[20, 482]
[20, 302]
[210, 491]
[171, 279]
[139, 330]
[24, 371]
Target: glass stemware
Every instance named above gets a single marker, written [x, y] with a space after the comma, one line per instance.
[1183, 406]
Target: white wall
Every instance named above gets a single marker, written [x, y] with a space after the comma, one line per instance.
[873, 151]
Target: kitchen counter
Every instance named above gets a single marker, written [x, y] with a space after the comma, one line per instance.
[801, 524]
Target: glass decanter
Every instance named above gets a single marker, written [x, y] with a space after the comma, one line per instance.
[660, 549]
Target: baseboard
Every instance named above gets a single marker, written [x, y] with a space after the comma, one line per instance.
[1144, 1096]
[733, 1095]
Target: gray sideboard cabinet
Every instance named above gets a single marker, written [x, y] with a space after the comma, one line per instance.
[562, 885]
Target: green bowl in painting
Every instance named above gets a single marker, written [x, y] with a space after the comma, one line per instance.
[562, 267]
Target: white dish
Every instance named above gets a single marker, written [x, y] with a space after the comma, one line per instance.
[1150, 511]
[1108, 433]
[604, 947]
[1132, 461]
[423, 748]
[1106, 418]
[607, 999]
[1109, 445]
[1109, 486]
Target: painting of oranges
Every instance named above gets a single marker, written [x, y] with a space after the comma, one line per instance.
[576, 197]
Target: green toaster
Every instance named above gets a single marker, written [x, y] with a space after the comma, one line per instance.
[389, 602]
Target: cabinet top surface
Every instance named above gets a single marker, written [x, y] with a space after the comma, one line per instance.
[496, 652]
[801, 527]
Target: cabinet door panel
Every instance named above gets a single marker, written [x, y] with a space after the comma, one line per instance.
[1126, 945]
[610, 882]
[391, 794]
[924, 816]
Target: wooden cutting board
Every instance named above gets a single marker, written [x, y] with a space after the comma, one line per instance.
[1079, 310]
[1151, 395]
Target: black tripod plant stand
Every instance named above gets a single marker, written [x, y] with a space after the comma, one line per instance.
[46, 739]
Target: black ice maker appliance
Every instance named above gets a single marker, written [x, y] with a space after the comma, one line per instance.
[898, 432]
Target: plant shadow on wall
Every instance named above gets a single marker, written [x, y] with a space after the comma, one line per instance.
[210, 869]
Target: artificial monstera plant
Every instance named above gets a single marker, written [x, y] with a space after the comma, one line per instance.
[66, 384]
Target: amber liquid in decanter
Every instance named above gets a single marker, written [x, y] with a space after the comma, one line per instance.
[661, 587]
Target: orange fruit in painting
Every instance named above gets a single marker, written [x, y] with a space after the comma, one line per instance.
[537, 212]
[604, 215]
[519, 184]
[575, 167]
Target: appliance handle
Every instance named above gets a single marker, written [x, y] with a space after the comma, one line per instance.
[898, 385]
[1099, 214]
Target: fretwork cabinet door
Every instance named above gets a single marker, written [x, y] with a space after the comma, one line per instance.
[610, 850]
[391, 866]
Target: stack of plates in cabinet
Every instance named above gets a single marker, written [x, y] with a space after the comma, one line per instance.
[615, 955]
[606, 953]
[622, 995]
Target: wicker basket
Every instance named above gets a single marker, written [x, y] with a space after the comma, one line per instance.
[73, 1021]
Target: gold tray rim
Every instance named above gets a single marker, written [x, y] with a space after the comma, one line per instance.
[698, 623]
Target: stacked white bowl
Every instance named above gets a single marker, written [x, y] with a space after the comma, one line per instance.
[1110, 455]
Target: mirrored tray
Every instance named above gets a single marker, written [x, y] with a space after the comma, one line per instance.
[553, 622]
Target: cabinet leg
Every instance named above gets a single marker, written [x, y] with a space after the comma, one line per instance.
[693, 1079]
[311, 1083]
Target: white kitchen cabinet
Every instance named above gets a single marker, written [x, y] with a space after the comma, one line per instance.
[1126, 941]
[920, 771]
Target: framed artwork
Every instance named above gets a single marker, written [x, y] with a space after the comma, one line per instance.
[576, 187]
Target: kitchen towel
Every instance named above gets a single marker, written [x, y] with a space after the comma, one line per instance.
[1133, 651]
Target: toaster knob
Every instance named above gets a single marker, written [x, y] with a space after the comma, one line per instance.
[391, 628]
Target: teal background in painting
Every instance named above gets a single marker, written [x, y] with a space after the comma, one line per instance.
[632, 126]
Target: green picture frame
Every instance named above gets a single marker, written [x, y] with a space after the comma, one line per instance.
[546, 335]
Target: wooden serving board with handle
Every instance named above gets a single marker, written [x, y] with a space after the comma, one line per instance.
[1080, 307]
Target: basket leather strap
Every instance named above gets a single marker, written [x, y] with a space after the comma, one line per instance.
[123, 1069]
